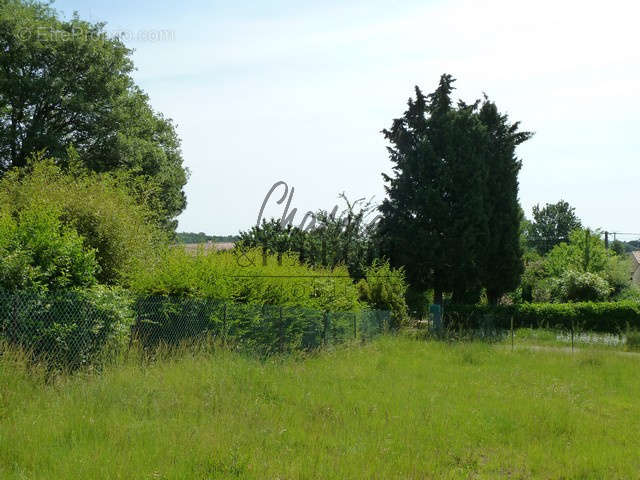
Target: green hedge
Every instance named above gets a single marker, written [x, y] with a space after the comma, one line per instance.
[610, 317]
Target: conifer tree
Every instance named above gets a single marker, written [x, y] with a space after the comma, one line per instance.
[451, 217]
[503, 266]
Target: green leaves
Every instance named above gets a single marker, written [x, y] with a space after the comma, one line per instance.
[66, 83]
[245, 276]
[37, 251]
[580, 269]
[452, 217]
[552, 225]
[385, 288]
[91, 213]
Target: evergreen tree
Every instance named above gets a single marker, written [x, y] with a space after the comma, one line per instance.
[434, 223]
[451, 216]
[503, 256]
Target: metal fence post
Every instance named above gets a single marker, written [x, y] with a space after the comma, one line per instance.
[325, 327]
[14, 305]
[512, 347]
[572, 328]
[281, 331]
[355, 327]
[224, 323]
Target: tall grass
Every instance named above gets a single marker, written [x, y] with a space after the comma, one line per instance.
[395, 408]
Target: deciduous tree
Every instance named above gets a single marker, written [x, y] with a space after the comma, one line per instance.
[65, 82]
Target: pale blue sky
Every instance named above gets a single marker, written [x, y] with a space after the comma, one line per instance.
[293, 91]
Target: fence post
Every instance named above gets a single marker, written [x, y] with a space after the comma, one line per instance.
[572, 328]
[512, 347]
[281, 331]
[325, 327]
[14, 305]
[355, 327]
[224, 323]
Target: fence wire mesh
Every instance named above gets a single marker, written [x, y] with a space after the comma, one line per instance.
[72, 329]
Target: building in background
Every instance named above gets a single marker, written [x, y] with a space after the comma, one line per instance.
[635, 269]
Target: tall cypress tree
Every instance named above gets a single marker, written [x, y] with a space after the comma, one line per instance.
[433, 221]
[503, 257]
[451, 217]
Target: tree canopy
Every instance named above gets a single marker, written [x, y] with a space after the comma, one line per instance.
[66, 83]
[552, 225]
[451, 216]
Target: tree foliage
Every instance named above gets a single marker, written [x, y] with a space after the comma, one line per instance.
[451, 216]
[97, 211]
[201, 237]
[345, 239]
[581, 269]
[66, 83]
[38, 252]
[552, 225]
[503, 258]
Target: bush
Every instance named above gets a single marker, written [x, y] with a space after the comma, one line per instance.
[266, 304]
[240, 276]
[575, 286]
[611, 317]
[630, 293]
[69, 329]
[581, 270]
[38, 252]
[98, 207]
[632, 340]
[384, 288]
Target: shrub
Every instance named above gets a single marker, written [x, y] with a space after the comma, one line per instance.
[98, 207]
[240, 276]
[384, 288]
[581, 270]
[632, 340]
[630, 293]
[582, 287]
[38, 252]
[612, 317]
[266, 304]
[69, 329]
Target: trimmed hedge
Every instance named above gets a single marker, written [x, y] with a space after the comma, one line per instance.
[612, 317]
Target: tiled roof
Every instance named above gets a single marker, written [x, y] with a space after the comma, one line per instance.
[636, 256]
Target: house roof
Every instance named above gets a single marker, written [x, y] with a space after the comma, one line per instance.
[636, 256]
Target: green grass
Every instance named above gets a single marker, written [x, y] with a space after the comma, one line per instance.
[557, 338]
[395, 408]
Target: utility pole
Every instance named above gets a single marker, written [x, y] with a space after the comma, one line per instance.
[606, 240]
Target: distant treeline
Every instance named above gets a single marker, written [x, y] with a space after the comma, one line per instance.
[191, 237]
[631, 246]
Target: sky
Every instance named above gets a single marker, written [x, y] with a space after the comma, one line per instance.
[298, 92]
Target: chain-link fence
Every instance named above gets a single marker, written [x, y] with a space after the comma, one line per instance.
[77, 328]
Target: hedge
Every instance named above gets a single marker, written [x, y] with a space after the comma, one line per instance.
[611, 317]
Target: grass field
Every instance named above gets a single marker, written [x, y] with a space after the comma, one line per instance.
[395, 408]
